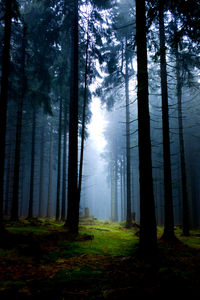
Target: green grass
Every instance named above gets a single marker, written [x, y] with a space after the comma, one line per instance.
[36, 230]
[52, 264]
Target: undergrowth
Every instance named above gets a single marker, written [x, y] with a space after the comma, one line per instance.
[41, 259]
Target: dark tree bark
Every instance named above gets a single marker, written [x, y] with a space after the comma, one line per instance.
[186, 227]
[73, 195]
[64, 179]
[113, 196]
[168, 206]
[148, 232]
[59, 164]
[15, 200]
[49, 200]
[83, 119]
[4, 99]
[128, 156]
[41, 192]
[32, 176]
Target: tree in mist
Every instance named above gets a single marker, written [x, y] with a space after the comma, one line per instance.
[148, 235]
[73, 199]
[10, 10]
[169, 216]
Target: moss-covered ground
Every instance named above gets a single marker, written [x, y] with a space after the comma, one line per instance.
[39, 259]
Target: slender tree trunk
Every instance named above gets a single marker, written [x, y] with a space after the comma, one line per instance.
[59, 164]
[83, 120]
[113, 196]
[121, 189]
[182, 149]
[8, 176]
[148, 232]
[73, 195]
[32, 177]
[124, 184]
[49, 200]
[64, 179]
[128, 156]
[116, 187]
[169, 215]
[4, 100]
[15, 200]
[41, 192]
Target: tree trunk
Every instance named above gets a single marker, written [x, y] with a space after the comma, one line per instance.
[148, 233]
[64, 179]
[182, 149]
[59, 164]
[15, 200]
[121, 189]
[4, 100]
[73, 197]
[128, 156]
[83, 120]
[113, 196]
[32, 177]
[49, 200]
[116, 187]
[41, 192]
[169, 215]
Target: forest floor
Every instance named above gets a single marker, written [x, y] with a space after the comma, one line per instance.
[39, 259]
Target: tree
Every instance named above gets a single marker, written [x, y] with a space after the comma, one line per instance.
[169, 216]
[15, 200]
[148, 232]
[73, 198]
[4, 97]
[59, 163]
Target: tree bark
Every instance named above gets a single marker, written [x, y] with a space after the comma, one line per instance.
[83, 119]
[148, 232]
[32, 177]
[59, 164]
[41, 192]
[4, 99]
[49, 201]
[128, 156]
[186, 231]
[15, 200]
[168, 206]
[64, 179]
[73, 197]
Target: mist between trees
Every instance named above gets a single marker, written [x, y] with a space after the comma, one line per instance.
[142, 60]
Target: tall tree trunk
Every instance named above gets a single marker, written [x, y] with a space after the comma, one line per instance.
[113, 196]
[64, 179]
[116, 187]
[49, 200]
[124, 184]
[83, 120]
[9, 175]
[121, 189]
[128, 156]
[73, 197]
[4, 100]
[41, 192]
[15, 200]
[148, 232]
[32, 176]
[59, 164]
[169, 215]
[182, 149]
